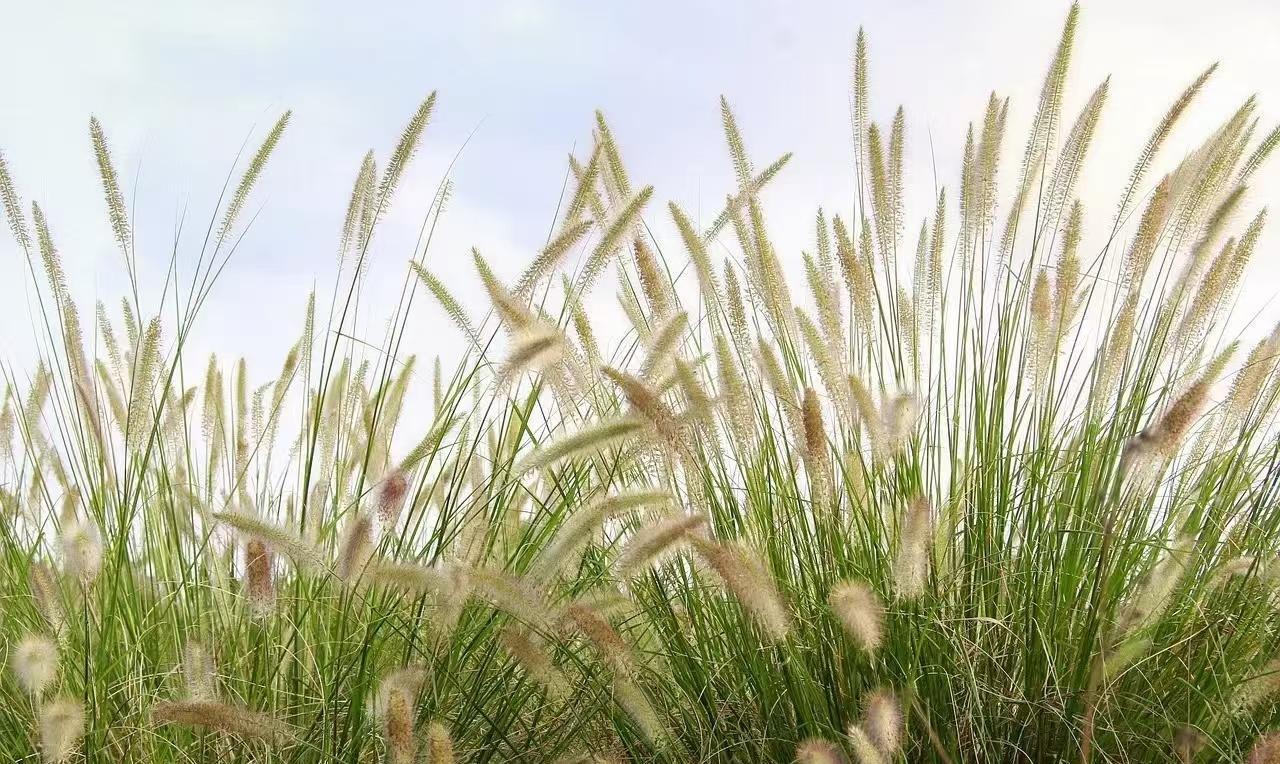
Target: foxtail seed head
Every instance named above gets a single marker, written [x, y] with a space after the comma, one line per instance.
[35, 663]
[860, 612]
[61, 728]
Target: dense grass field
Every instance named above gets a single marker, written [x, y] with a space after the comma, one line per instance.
[969, 493]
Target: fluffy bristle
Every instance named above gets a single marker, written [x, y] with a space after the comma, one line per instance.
[236, 720]
[61, 729]
[860, 611]
[35, 663]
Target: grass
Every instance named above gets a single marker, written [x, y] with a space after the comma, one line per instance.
[980, 496]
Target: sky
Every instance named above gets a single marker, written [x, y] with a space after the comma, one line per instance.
[181, 87]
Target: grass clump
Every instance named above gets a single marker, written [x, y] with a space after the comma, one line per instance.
[983, 504]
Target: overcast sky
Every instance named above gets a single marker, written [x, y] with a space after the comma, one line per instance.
[179, 87]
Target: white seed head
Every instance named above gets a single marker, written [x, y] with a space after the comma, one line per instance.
[35, 662]
[61, 728]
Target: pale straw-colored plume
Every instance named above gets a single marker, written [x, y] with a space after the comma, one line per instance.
[395, 707]
[13, 207]
[404, 151]
[911, 563]
[536, 348]
[1044, 128]
[35, 663]
[421, 579]
[270, 535]
[1162, 438]
[1247, 387]
[908, 338]
[586, 522]
[250, 178]
[439, 743]
[1140, 253]
[258, 577]
[735, 397]
[635, 702]
[532, 655]
[744, 574]
[224, 717]
[356, 547]
[555, 250]
[1114, 354]
[736, 309]
[818, 751]
[653, 283]
[651, 543]
[708, 285]
[647, 403]
[452, 308]
[882, 721]
[860, 612]
[199, 671]
[61, 725]
[590, 439]
[828, 368]
[81, 550]
[864, 748]
[592, 624]
[1156, 588]
[1159, 135]
[1260, 687]
[817, 454]
[116, 210]
[511, 594]
[1043, 342]
[48, 596]
[612, 238]
[899, 416]
[662, 345]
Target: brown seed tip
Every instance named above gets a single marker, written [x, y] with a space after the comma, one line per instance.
[390, 496]
[258, 581]
[1266, 750]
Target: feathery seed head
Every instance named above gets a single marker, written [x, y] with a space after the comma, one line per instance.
[649, 544]
[860, 612]
[356, 548]
[864, 748]
[225, 717]
[61, 729]
[391, 495]
[81, 550]
[439, 744]
[200, 672]
[536, 661]
[745, 575]
[44, 588]
[259, 585]
[911, 566]
[1257, 689]
[882, 720]
[818, 751]
[35, 663]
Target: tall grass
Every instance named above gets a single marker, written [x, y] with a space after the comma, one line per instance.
[980, 495]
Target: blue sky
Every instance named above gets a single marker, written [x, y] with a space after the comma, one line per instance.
[180, 86]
